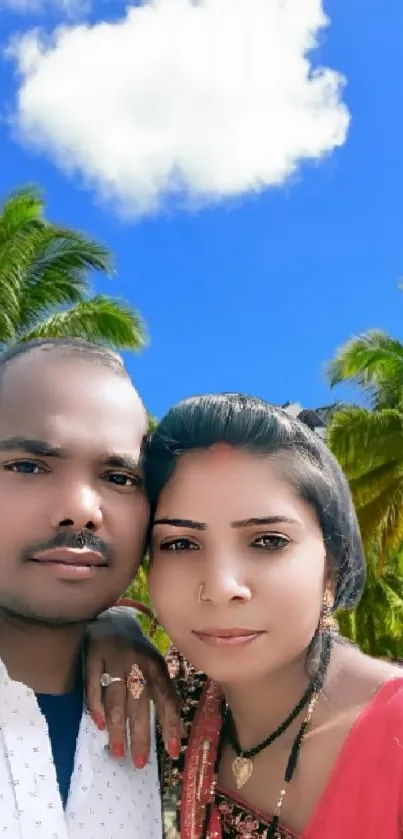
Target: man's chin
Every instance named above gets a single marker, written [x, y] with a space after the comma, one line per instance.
[42, 616]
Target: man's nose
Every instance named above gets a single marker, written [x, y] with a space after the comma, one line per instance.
[78, 509]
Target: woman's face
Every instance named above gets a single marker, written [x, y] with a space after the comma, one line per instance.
[238, 564]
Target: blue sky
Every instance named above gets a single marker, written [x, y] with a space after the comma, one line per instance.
[253, 293]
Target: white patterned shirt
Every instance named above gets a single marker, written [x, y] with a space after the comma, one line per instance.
[108, 799]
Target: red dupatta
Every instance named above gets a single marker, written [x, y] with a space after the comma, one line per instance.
[198, 777]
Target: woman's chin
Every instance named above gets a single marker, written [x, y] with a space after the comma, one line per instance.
[226, 666]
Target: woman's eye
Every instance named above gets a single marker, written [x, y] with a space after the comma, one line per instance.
[122, 480]
[24, 467]
[179, 545]
[271, 542]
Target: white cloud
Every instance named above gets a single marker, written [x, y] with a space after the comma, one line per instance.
[187, 101]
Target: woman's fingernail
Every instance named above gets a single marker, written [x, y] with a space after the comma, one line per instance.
[118, 750]
[174, 748]
[99, 721]
[140, 761]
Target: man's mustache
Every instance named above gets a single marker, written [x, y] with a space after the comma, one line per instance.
[76, 540]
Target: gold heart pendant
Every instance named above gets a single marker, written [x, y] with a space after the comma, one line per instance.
[242, 769]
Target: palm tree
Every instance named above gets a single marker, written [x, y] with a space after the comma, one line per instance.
[376, 624]
[45, 290]
[373, 362]
[369, 441]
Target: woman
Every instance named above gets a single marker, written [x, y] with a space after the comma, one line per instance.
[254, 543]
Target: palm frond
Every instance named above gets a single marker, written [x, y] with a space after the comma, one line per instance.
[374, 362]
[393, 611]
[381, 520]
[57, 273]
[99, 319]
[376, 623]
[71, 250]
[327, 412]
[45, 281]
[364, 440]
[374, 482]
[21, 212]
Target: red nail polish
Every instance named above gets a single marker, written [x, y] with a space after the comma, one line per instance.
[140, 761]
[99, 721]
[118, 750]
[174, 748]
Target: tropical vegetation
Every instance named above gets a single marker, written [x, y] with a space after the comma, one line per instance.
[138, 590]
[45, 281]
[368, 441]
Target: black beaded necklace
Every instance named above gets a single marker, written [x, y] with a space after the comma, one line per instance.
[242, 766]
[310, 698]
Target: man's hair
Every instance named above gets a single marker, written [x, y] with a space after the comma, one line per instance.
[78, 346]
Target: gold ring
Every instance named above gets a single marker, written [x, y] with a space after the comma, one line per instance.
[136, 682]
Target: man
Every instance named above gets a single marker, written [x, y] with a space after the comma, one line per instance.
[73, 521]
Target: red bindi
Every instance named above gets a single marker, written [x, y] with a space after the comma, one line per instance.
[221, 450]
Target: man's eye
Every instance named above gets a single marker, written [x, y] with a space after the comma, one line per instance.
[179, 545]
[122, 480]
[24, 467]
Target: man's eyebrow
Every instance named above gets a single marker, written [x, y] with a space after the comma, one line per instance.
[121, 461]
[30, 446]
[40, 448]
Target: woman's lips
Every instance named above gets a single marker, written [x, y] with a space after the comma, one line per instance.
[227, 637]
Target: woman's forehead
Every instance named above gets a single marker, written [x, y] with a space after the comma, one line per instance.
[232, 483]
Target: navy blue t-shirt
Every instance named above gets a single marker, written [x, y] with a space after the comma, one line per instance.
[63, 715]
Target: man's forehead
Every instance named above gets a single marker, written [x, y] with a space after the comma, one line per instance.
[41, 366]
[76, 433]
[26, 378]
[96, 407]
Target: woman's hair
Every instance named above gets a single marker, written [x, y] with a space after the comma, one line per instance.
[254, 425]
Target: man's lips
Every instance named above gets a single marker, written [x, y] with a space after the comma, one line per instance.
[71, 556]
[70, 563]
[227, 637]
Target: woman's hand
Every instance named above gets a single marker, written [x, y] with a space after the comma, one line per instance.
[115, 644]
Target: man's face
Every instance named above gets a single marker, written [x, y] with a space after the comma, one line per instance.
[73, 513]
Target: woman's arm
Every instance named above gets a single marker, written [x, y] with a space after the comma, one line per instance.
[115, 643]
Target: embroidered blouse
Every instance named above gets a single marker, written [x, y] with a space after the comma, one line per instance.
[362, 800]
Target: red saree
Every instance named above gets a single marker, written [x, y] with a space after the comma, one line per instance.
[363, 798]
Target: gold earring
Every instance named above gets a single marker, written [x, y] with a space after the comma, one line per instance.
[327, 619]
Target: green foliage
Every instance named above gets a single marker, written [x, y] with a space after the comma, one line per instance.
[368, 442]
[374, 363]
[369, 445]
[45, 288]
[376, 625]
[138, 590]
[152, 423]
